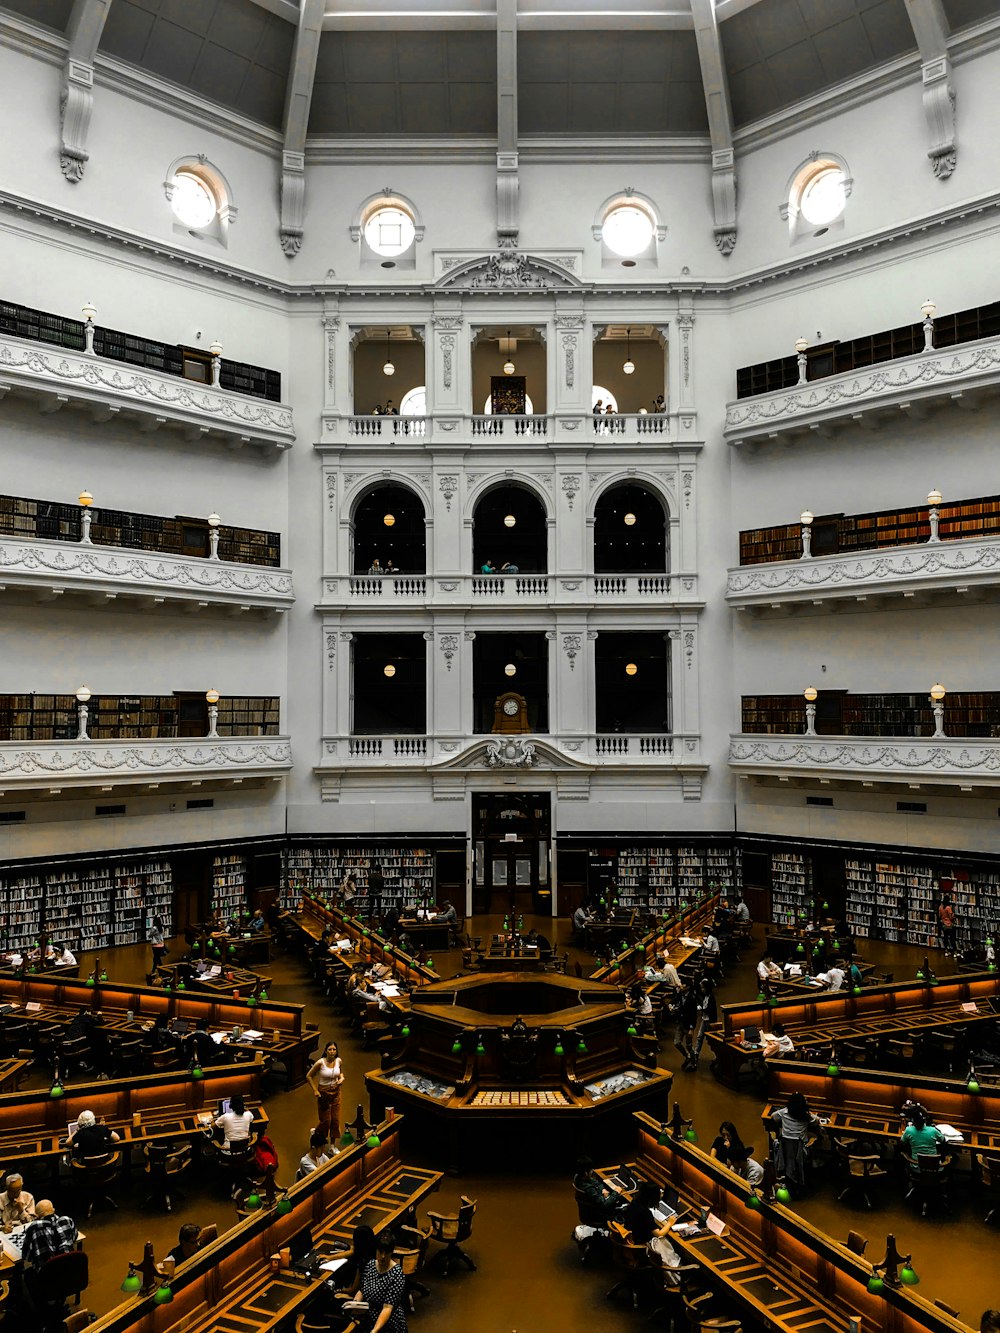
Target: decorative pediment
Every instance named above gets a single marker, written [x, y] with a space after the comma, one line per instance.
[507, 270]
[512, 753]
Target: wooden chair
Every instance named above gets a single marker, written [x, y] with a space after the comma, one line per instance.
[164, 1163]
[52, 1284]
[862, 1169]
[676, 1285]
[449, 1230]
[632, 1261]
[411, 1252]
[703, 1314]
[92, 1176]
[989, 1180]
[856, 1243]
[929, 1177]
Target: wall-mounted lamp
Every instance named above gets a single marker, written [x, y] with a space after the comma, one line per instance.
[810, 694]
[83, 712]
[212, 699]
[85, 500]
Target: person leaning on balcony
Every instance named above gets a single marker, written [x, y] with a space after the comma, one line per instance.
[508, 568]
[375, 567]
[488, 567]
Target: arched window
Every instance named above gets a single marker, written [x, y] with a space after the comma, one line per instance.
[414, 402]
[387, 228]
[389, 527]
[630, 532]
[628, 228]
[816, 195]
[509, 528]
[200, 198]
[599, 394]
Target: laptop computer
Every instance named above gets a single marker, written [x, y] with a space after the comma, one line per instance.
[304, 1257]
[751, 1036]
[180, 1026]
[224, 1106]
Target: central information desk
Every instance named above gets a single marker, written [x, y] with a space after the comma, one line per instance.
[228, 1287]
[883, 1013]
[867, 1103]
[49, 1005]
[168, 1107]
[536, 1066]
[785, 1274]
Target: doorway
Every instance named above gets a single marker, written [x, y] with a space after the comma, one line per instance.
[511, 835]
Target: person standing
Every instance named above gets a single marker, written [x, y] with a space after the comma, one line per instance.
[157, 943]
[376, 887]
[685, 1015]
[707, 1013]
[326, 1078]
[946, 922]
[795, 1124]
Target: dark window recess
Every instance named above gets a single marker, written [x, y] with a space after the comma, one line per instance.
[103, 810]
[819, 800]
[871, 349]
[12, 816]
[911, 807]
[19, 321]
[202, 803]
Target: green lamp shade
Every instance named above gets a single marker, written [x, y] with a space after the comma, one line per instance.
[875, 1284]
[752, 1201]
[56, 1090]
[631, 1030]
[456, 1047]
[132, 1284]
[196, 947]
[430, 963]
[907, 1276]
[404, 1031]
[364, 931]
[772, 1001]
[197, 1072]
[826, 907]
[232, 948]
[856, 990]
[345, 1139]
[833, 1069]
[283, 1206]
[559, 1049]
[373, 1140]
[761, 996]
[782, 1194]
[691, 1135]
[663, 1139]
[252, 1001]
[835, 946]
[581, 1046]
[90, 981]
[181, 985]
[163, 1296]
[639, 948]
[253, 1200]
[920, 974]
[800, 947]
[972, 1085]
[480, 1048]
[263, 995]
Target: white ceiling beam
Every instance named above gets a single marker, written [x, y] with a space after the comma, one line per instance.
[507, 172]
[76, 102]
[298, 98]
[930, 28]
[727, 9]
[283, 9]
[720, 123]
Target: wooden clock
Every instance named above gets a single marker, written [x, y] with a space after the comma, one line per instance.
[510, 715]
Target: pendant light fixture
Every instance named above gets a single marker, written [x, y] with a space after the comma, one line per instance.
[388, 368]
[629, 366]
[508, 365]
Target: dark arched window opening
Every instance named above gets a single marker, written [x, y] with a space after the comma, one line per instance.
[390, 684]
[630, 532]
[632, 678]
[389, 527]
[509, 528]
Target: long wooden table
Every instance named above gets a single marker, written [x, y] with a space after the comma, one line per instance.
[866, 1103]
[787, 1275]
[228, 1287]
[821, 1019]
[692, 922]
[228, 980]
[125, 1008]
[315, 917]
[33, 1125]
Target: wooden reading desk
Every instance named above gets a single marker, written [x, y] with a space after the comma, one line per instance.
[691, 922]
[786, 1274]
[228, 1286]
[228, 980]
[372, 947]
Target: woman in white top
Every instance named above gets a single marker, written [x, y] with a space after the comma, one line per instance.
[235, 1123]
[325, 1078]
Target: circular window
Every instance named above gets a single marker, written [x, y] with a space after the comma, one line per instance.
[627, 230]
[823, 196]
[193, 202]
[389, 231]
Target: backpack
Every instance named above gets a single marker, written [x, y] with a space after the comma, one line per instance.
[265, 1155]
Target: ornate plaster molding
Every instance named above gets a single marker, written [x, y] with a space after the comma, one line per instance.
[936, 757]
[113, 387]
[71, 763]
[945, 373]
[107, 570]
[507, 270]
[937, 564]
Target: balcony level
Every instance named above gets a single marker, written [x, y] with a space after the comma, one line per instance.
[911, 761]
[145, 765]
[107, 390]
[472, 429]
[962, 376]
[433, 592]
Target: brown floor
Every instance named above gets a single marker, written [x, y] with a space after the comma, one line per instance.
[529, 1276]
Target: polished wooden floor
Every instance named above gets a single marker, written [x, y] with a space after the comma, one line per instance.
[529, 1278]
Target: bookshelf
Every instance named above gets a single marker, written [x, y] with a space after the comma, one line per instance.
[690, 872]
[860, 911]
[408, 871]
[674, 873]
[229, 885]
[842, 714]
[23, 517]
[833, 533]
[42, 717]
[20, 910]
[791, 886]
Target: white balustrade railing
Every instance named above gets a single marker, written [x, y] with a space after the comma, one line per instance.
[631, 585]
[502, 424]
[631, 423]
[617, 744]
[510, 585]
[586, 748]
[388, 585]
[387, 427]
[378, 747]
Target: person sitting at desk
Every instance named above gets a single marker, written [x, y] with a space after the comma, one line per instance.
[256, 923]
[199, 1047]
[190, 1240]
[235, 1123]
[358, 992]
[47, 1236]
[62, 957]
[641, 1004]
[777, 1042]
[920, 1136]
[535, 941]
[742, 912]
[359, 1256]
[581, 918]
[16, 1204]
[710, 944]
[637, 1217]
[383, 1286]
[768, 970]
[589, 1186]
[831, 979]
[318, 1154]
[662, 969]
[446, 912]
[731, 1151]
[90, 1138]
